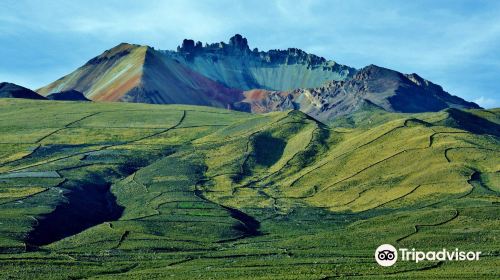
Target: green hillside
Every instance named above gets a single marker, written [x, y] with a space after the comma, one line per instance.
[137, 191]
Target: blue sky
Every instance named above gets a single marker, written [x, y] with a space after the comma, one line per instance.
[453, 43]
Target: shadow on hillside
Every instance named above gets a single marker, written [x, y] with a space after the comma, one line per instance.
[89, 203]
[268, 149]
[470, 122]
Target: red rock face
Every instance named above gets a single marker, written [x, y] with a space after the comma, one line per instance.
[264, 101]
[116, 93]
[256, 94]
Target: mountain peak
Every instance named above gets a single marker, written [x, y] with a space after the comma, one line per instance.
[118, 51]
[239, 42]
[10, 90]
[120, 48]
[373, 71]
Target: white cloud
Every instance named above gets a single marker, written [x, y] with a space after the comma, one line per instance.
[486, 102]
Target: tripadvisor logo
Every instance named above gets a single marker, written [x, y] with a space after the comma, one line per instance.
[387, 255]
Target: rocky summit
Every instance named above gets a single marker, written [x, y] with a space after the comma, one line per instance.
[235, 65]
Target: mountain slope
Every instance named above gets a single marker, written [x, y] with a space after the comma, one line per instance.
[9, 90]
[106, 77]
[236, 66]
[213, 75]
[383, 88]
[165, 81]
[134, 73]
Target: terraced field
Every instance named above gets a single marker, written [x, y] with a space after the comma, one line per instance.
[135, 191]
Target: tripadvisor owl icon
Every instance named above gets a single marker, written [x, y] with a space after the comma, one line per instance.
[386, 255]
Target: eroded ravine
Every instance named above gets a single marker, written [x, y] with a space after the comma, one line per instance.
[248, 225]
[88, 204]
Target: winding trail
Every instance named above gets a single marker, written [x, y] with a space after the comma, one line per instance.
[368, 167]
[32, 195]
[347, 152]
[23, 157]
[103, 147]
[431, 138]
[250, 226]
[66, 126]
[358, 197]
[397, 198]
[159, 132]
[417, 227]
[456, 148]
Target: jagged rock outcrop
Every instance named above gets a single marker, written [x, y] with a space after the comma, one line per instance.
[235, 65]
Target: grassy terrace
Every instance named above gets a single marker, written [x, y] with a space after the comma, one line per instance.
[121, 190]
